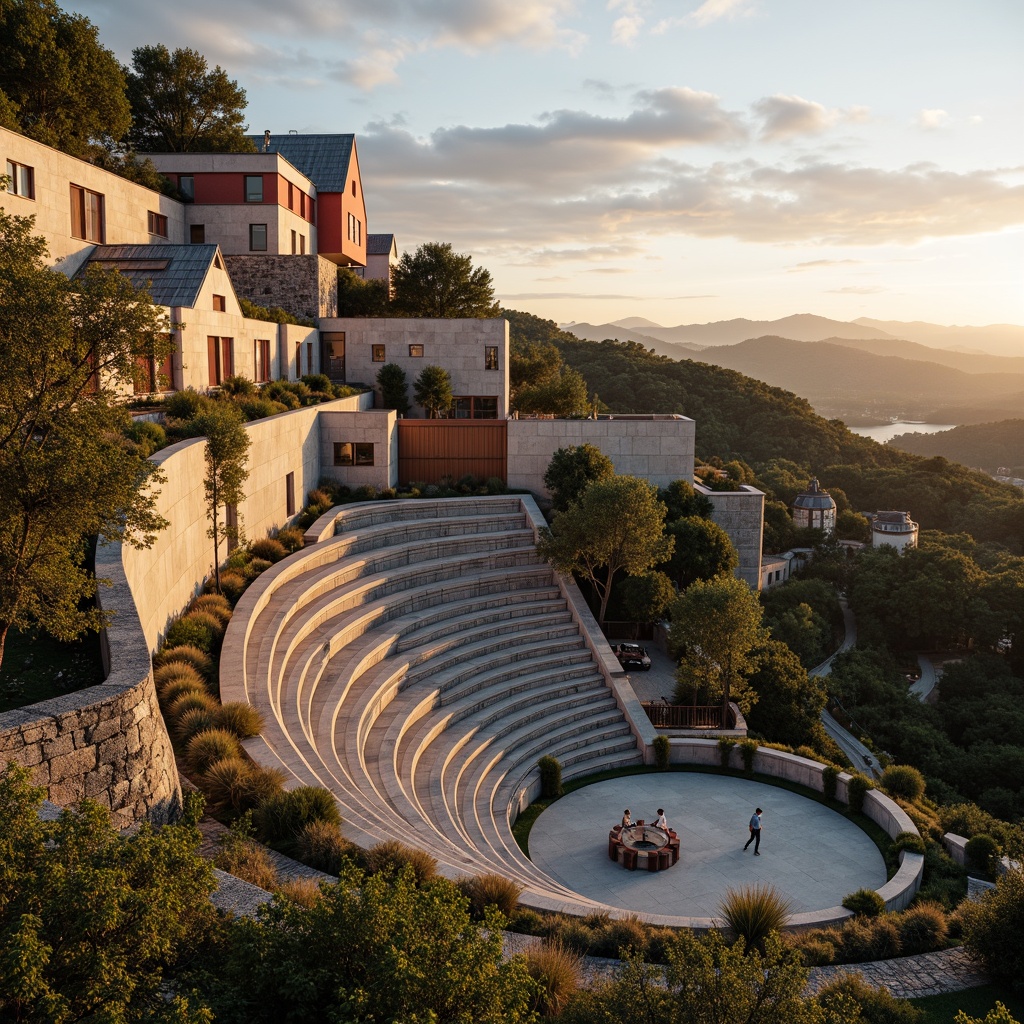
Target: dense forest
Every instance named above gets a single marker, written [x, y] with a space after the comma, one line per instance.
[985, 445]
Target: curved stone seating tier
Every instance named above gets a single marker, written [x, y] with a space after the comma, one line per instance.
[418, 663]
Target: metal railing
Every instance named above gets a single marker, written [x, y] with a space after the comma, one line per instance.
[687, 716]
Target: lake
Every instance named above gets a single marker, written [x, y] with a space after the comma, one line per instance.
[883, 432]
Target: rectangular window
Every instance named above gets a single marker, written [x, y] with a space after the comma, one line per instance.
[86, 214]
[353, 453]
[302, 204]
[295, 242]
[332, 355]
[298, 359]
[213, 360]
[415, 351]
[220, 304]
[227, 351]
[291, 196]
[197, 234]
[377, 354]
[309, 357]
[254, 188]
[355, 229]
[23, 180]
[311, 211]
[258, 237]
[261, 360]
[491, 357]
[302, 245]
[289, 493]
[474, 407]
[187, 187]
[157, 223]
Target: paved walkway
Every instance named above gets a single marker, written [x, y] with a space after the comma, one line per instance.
[911, 977]
[810, 853]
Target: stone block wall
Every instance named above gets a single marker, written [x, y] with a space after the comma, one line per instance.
[305, 286]
[741, 514]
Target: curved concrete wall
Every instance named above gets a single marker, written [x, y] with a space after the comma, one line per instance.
[108, 742]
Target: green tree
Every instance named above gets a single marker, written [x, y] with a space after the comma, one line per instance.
[572, 470]
[789, 701]
[436, 281]
[716, 628]
[371, 949]
[433, 391]
[179, 105]
[394, 387]
[703, 550]
[992, 929]
[617, 525]
[682, 501]
[227, 445]
[57, 82]
[358, 296]
[562, 394]
[67, 471]
[999, 1014]
[645, 598]
[94, 922]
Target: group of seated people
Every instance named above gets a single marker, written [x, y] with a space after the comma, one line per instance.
[661, 822]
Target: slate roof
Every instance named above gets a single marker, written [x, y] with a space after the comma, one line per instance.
[324, 159]
[814, 497]
[177, 272]
[379, 245]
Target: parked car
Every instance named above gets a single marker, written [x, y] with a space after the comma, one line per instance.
[632, 657]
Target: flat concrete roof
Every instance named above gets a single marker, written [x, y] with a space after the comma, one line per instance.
[810, 853]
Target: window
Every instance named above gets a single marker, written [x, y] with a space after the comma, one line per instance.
[474, 407]
[197, 233]
[86, 214]
[289, 493]
[302, 204]
[332, 355]
[220, 304]
[220, 355]
[254, 188]
[415, 351]
[261, 360]
[291, 196]
[187, 187]
[490, 357]
[353, 186]
[309, 357]
[302, 245]
[378, 354]
[298, 359]
[355, 229]
[258, 237]
[353, 453]
[157, 224]
[151, 377]
[295, 242]
[23, 180]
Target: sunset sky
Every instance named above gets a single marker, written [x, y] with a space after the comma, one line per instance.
[682, 161]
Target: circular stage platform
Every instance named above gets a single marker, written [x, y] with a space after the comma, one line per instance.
[811, 854]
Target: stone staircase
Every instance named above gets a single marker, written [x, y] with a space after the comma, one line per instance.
[417, 664]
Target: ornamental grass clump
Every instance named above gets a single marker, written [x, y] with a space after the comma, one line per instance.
[194, 698]
[232, 585]
[269, 549]
[205, 748]
[557, 970]
[391, 855]
[865, 903]
[185, 654]
[903, 781]
[281, 817]
[873, 938]
[224, 783]
[198, 629]
[491, 890]
[193, 722]
[754, 912]
[175, 678]
[923, 928]
[216, 605]
[320, 845]
[240, 718]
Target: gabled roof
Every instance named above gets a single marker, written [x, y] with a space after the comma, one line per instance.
[324, 159]
[176, 272]
[379, 245]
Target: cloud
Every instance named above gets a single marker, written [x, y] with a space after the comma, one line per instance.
[571, 295]
[854, 290]
[627, 27]
[930, 120]
[815, 264]
[715, 10]
[787, 116]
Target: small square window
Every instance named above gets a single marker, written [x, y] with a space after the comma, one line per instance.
[197, 233]
[157, 223]
[364, 454]
[491, 357]
[416, 351]
[254, 188]
[258, 237]
[378, 354]
[220, 304]
[353, 453]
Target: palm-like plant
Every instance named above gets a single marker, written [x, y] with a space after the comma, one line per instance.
[754, 912]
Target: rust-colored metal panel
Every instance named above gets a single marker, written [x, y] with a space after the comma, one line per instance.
[429, 450]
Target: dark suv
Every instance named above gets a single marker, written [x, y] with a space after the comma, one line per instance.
[632, 657]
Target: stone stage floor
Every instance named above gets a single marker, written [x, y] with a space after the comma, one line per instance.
[811, 854]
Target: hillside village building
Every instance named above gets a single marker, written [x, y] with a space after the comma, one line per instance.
[896, 529]
[273, 227]
[815, 509]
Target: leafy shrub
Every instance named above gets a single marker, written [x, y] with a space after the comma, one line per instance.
[318, 382]
[877, 1005]
[856, 790]
[186, 655]
[188, 700]
[204, 748]
[391, 855]
[617, 936]
[992, 927]
[240, 718]
[259, 408]
[268, 548]
[365, 493]
[491, 890]
[662, 750]
[256, 567]
[187, 404]
[290, 538]
[809, 752]
[527, 922]
[865, 903]
[923, 928]
[754, 912]
[243, 858]
[495, 485]
[550, 777]
[150, 437]
[904, 781]
[320, 496]
[192, 722]
[873, 938]
[320, 845]
[945, 881]
[232, 585]
[817, 952]
[910, 842]
[748, 748]
[238, 386]
[982, 852]
[166, 676]
[281, 817]
[725, 746]
[194, 630]
[829, 778]
[574, 935]
[557, 970]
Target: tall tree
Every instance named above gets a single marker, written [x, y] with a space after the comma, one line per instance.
[179, 105]
[703, 550]
[790, 701]
[358, 296]
[716, 628]
[57, 83]
[617, 525]
[562, 394]
[67, 471]
[394, 387]
[227, 445]
[572, 470]
[433, 391]
[436, 281]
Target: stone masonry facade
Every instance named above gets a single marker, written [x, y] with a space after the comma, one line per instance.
[305, 286]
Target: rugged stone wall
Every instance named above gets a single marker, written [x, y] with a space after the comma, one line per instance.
[305, 286]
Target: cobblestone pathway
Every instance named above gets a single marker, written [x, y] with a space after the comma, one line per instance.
[910, 977]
